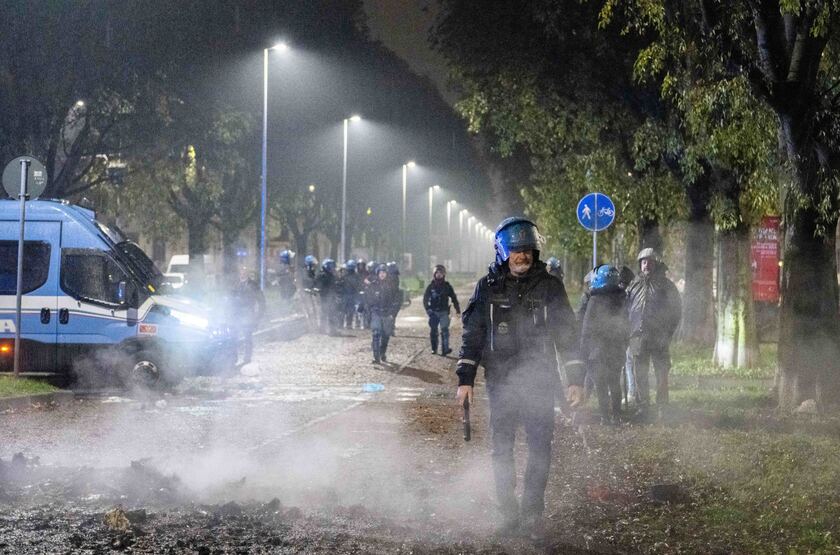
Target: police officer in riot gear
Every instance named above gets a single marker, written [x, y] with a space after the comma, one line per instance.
[516, 318]
[250, 306]
[603, 339]
[436, 302]
[286, 275]
[381, 296]
[325, 284]
[554, 268]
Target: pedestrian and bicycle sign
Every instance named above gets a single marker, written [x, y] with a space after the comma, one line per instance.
[596, 212]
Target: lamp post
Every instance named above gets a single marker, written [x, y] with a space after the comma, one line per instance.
[432, 190]
[449, 229]
[470, 221]
[263, 176]
[461, 215]
[405, 167]
[343, 250]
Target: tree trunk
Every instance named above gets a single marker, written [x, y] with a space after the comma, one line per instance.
[809, 327]
[698, 317]
[809, 321]
[301, 245]
[229, 240]
[650, 235]
[737, 336]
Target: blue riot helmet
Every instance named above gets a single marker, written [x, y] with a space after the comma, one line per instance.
[328, 265]
[515, 234]
[310, 261]
[286, 256]
[553, 263]
[605, 276]
[382, 268]
[372, 266]
[351, 265]
[392, 268]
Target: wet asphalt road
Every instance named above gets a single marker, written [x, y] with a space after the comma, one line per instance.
[295, 423]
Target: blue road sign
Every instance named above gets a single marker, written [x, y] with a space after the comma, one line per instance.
[596, 212]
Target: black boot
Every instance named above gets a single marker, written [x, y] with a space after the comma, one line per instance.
[444, 343]
[434, 339]
[375, 347]
[383, 347]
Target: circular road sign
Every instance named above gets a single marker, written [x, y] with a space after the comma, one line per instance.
[36, 180]
[596, 212]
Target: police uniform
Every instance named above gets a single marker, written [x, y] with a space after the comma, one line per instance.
[436, 302]
[511, 327]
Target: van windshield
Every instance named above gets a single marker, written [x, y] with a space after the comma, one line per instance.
[143, 267]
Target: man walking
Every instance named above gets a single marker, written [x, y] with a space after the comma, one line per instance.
[436, 302]
[516, 317]
[382, 298]
[654, 310]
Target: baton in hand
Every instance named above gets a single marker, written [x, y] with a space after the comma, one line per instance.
[467, 428]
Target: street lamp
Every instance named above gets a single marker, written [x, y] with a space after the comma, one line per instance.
[343, 249]
[432, 190]
[409, 164]
[461, 215]
[282, 47]
[449, 206]
[470, 261]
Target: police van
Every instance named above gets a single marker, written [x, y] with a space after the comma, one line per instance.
[94, 304]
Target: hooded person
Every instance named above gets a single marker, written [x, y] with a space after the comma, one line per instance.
[654, 310]
[436, 302]
[516, 318]
[381, 299]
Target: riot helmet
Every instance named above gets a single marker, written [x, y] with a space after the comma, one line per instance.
[350, 265]
[392, 268]
[328, 265]
[286, 256]
[605, 276]
[515, 234]
[310, 262]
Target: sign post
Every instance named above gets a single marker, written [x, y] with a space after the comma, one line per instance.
[595, 212]
[29, 171]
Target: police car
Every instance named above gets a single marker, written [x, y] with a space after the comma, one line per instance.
[95, 304]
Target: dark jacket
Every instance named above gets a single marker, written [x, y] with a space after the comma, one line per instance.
[512, 325]
[382, 297]
[248, 302]
[605, 329]
[437, 295]
[325, 283]
[654, 308]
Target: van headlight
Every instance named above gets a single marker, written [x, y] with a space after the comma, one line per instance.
[190, 320]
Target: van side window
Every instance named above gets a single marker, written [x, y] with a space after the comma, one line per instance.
[91, 275]
[36, 266]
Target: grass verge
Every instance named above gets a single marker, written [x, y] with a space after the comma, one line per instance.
[11, 387]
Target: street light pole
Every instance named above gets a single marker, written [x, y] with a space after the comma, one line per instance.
[461, 239]
[264, 165]
[404, 187]
[432, 190]
[263, 186]
[343, 250]
[449, 228]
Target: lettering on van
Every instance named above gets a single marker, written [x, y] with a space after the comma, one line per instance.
[7, 326]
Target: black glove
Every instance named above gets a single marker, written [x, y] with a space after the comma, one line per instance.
[466, 373]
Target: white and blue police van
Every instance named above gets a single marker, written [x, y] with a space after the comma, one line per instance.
[94, 303]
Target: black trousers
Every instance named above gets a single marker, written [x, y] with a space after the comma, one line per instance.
[532, 408]
[608, 386]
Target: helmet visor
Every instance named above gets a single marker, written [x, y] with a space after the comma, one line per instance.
[517, 237]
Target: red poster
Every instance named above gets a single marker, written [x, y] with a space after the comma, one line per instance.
[765, 260]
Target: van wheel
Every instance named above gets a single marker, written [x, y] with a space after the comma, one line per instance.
[145, 371]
